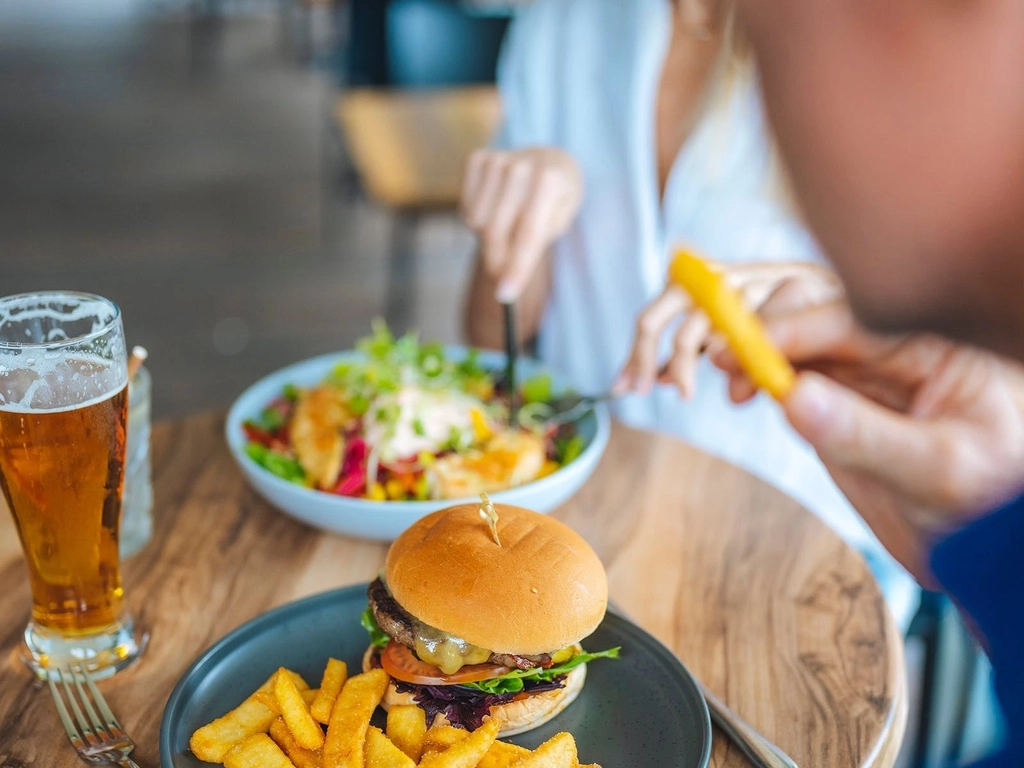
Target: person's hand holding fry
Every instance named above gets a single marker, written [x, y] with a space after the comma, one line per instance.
[920, 433]
[519, 203]
[755, 282]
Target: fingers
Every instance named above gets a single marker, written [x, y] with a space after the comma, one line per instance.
[682, 367]
[641, 369]
[851, 431]
[509, 202]
[519, 203]
[537, 227]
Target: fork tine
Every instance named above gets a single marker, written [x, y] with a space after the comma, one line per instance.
[62, 711]
[97, 724]
[110, 722]
[83, 724]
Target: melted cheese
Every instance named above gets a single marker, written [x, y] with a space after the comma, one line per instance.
[447, 652]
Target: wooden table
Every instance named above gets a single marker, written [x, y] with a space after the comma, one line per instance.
[758, 598]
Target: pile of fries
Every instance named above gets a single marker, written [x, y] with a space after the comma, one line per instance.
[281, 726]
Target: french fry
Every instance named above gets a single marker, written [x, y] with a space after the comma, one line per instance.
[257, 751]
[334, 678]
[350, 719]
[295, 711]
[211, 742]
[382, 753]
[270, 700]
[743, 331]
[300, 756]
[502, 755]
[557, 752]
[467, 752]
[439, 737]
[407, 726]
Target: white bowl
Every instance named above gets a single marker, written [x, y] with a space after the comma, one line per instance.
[384, 520]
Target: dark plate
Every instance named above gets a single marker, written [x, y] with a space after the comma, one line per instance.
[642, 710]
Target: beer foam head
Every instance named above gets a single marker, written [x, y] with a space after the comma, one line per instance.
[59, 350]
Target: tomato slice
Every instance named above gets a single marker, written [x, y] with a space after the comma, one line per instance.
[401, 663]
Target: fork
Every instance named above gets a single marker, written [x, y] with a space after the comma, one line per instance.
[98, 738]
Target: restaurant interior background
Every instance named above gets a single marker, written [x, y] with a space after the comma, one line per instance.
[204, 165]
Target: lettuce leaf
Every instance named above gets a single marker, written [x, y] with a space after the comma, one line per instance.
[378, 637]
[513, 682]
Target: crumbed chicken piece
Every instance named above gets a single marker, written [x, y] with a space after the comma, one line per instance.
[510, 458]
[316, 434]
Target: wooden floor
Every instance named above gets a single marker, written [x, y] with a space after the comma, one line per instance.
[189, 172]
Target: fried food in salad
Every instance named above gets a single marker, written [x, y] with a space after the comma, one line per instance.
[407, 421]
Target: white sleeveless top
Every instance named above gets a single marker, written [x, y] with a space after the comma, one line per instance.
[583, 75]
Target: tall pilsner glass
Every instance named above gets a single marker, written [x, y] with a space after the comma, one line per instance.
[63, 406]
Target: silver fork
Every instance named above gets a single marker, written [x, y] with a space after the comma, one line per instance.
[98, 738]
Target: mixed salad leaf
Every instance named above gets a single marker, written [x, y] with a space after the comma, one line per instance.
[406, 421]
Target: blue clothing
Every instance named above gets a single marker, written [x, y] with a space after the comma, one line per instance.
[982, 568]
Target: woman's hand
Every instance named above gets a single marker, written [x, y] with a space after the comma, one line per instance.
[755, 281]
[923, 435]
[519, 203]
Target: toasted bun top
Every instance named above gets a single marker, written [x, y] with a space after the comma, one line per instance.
[543, 589]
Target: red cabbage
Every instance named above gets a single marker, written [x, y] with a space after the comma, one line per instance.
[466, 707]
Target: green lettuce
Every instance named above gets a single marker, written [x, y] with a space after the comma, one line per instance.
[284, 467]
[513, 682]
[378, 638]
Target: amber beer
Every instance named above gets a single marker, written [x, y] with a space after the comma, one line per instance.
[61, 471]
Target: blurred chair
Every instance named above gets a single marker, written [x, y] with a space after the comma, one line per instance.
[959, 720]
[421, 98]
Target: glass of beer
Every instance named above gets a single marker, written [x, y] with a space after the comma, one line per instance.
[63, 407]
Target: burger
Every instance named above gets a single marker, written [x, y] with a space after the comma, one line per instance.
[480, 611]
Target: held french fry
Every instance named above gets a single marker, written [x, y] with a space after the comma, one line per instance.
[407, 726]
[294, 710]
[301, 757]
[334, 678]
[211, 742]
[257, 751]
[557, 752]
[743, 331]
[502, 755]
[467, 752]
[382, 753]
[350, 719]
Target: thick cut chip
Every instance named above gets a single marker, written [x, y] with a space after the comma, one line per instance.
[211, 742]
[350, 719]
[334, 678]
[557, 752]
[295, 712]
[467, 752]
[407, 727]
[742, 329]
[440, 736]
[382, 753]
[268, 698]
[257, 751]
[502, 755]
[301, 757]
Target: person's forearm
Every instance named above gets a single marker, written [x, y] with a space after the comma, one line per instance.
[484, 318]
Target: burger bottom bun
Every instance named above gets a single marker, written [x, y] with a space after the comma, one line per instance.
[516, 716]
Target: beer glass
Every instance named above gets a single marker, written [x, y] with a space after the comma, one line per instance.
[63, 405]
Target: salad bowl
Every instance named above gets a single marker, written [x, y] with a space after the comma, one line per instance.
[383, 520]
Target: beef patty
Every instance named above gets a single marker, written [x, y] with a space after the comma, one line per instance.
[397, 623]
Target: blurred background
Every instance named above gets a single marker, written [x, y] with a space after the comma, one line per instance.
[254, 181]
[197, 163]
